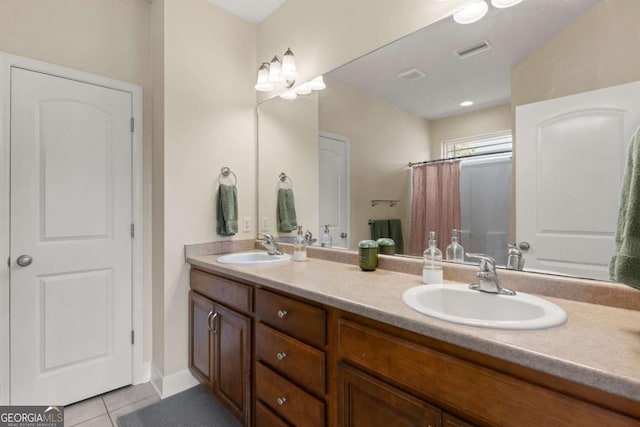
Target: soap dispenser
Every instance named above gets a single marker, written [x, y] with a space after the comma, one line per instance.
[455, 251]
[326, 241]
[432, 269]
[299, 246]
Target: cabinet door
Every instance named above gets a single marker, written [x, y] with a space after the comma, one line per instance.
[231, 361]
[366, 401]
[201, 341]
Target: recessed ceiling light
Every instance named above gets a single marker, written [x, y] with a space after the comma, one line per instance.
[466, 104]
[472, 13]
[501, 4]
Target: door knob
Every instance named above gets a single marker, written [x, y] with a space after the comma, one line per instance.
[24, 260]
[525, 246]
[343, 235]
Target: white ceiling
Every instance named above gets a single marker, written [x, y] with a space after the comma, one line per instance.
[484, 78]
[249, 10]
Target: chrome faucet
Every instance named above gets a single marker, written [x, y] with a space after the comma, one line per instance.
[515, 260]
[270, 244]
[488, 276]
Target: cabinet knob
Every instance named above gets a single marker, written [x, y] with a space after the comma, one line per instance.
[282, 313]
[281, 356]
[281, 400]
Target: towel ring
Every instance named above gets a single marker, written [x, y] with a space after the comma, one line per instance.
[225, 172]
[284, 179]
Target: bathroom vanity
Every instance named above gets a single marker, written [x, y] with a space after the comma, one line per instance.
[322, 343]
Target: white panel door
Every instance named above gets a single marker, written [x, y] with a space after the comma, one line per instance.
[71, 213]
[334, 189]
[570, 157]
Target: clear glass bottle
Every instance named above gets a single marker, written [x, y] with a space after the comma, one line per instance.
[432, 269]
[326, 241]
[299, 246]
[455, 251]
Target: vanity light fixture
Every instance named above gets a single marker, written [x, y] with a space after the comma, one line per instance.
[288, 70]
[472, 13]
[263, 84]
[317, 83]
[501, 4]
[274, 71]
[303, 89]
[289, 95]
[466, 103]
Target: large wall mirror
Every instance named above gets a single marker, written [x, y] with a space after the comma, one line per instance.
[540, 152]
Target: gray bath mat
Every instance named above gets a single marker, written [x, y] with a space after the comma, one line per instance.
[194, 407]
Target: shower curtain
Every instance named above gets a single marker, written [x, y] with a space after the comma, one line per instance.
[435, 204]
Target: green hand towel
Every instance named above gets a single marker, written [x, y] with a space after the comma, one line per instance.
[625, 264]
[380, 229]
[227, 210]
[286, 210]
[395, 233]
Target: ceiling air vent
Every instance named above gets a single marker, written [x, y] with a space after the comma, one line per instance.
[474, 49]
[412, 75]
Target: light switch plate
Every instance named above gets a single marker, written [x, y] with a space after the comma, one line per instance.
[246, 224]
[265, 223]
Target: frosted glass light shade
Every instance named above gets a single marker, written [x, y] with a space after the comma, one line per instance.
[303, 89]
[288, 94]
[288, 70]
[501, 4]
[472, 13]
[263, 84]
[274, 71]
[317, 83]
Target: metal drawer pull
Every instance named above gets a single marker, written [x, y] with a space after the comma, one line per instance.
[209, 321]
[213, 329]
[281, 356]
[282, 313]
[281, 400]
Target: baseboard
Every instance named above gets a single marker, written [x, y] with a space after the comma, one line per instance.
[169, 385]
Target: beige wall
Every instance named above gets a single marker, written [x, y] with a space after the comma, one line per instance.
[383, 140]
[475, 123]
[288, 135]
[326, 34]
[209, 123]
[106, 37]
[598, 50]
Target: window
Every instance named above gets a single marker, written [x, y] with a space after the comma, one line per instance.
[498, 142]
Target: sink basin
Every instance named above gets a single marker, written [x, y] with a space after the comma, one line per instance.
[253, 258]
[459, 304]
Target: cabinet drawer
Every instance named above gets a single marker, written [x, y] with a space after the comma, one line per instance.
[266, 418]
[298, 319]
[288, 400]
[225, 291]
[299, 362]
[485, 395]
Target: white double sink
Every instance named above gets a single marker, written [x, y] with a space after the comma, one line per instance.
[454, 303]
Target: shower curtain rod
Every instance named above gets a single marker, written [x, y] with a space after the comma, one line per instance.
[468, 156]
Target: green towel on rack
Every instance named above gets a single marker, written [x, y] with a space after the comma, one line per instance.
[395, 233]
[379, 229]
[625, 264]
[286, 210]
[227, 210]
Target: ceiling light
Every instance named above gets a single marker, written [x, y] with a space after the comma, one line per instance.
[317, 83]
[303, 89]
[471, 13]
[501, 4]
[263, 84]
[466, 103]
[288, 71]
[288, 95]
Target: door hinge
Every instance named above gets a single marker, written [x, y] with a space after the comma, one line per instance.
[132, 124]
[133, 231]
[9, 262]
[132, 337]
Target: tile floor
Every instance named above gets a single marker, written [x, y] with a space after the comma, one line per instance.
[104, 410]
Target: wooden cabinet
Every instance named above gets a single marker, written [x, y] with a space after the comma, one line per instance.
[290, 358]
[220, 353]
[365, 401]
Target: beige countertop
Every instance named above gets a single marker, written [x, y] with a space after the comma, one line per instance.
[598, 346]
